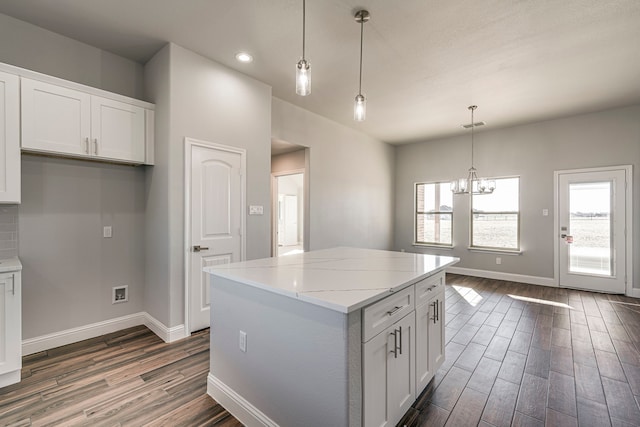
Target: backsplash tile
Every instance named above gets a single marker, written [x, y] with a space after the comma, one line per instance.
[8, 231]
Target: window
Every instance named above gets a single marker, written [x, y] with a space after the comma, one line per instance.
[434, 214]
[495, 219]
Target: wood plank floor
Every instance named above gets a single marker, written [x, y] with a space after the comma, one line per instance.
[128, 378]
[525, 355]
[516, 354]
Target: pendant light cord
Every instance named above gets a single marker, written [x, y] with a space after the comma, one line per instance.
[472, 128]
[361, 37]
[304, 16]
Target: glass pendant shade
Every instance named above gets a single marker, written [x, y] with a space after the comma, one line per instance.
[360, 108]
[303, 78]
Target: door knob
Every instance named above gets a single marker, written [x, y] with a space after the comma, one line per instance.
[198, 248]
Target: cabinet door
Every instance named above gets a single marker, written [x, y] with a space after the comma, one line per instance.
[55, 119]
[9, 139]
[389, 374]
[436, 333]
[401, 391]
[423, 369]
[117, 130]
[10, 329]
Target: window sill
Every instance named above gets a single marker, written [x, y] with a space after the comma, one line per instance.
[426, 245]
[494, 251]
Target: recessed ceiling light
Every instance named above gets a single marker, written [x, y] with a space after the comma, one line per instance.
[244, 57]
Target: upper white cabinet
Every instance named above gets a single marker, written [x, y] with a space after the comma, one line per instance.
[65, 121]
[10, 326]
[9, 138]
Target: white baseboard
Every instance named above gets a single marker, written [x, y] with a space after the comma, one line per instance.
[635, 293]
[70, 336]
[510, 277]
[237, 406]
[167, 334]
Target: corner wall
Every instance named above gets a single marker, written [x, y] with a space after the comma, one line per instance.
[533, 152]
[351, 178]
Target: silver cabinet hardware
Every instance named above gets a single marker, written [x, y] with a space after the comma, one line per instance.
[397, 337]
[198, 248]
[400, 331]
[86, 145]
[95, 144]
[390, 312]
[435, 311]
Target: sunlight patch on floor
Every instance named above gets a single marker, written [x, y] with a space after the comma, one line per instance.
[542, 301]
[471, 296]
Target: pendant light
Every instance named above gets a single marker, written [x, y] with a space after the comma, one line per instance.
[360, 107]
[303, 68]
[472, 184]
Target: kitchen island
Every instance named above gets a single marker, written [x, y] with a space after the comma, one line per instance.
[335, 337]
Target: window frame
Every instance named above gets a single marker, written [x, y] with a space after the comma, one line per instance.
[416, 213]
[517, 249]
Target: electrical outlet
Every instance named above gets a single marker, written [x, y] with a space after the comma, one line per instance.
[242, 341]
[256, 210]
[107, 231]
[545, 212]
[498, 260]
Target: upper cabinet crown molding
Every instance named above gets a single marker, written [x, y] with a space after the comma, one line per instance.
[9, 138]
[68, 119]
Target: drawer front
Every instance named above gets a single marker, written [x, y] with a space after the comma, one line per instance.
[376, 317]
[428, 287]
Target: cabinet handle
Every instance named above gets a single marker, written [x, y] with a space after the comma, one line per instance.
[395, 343]
[86, 145]
[95, 144]
[435, 311]
[390, 312]
[438, 310]
[400, 348]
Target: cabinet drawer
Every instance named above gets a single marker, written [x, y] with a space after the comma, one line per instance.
[376, 317]
[428, 287]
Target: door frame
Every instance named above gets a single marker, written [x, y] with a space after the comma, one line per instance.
[188, 144]
[628, 169]
[274, 208]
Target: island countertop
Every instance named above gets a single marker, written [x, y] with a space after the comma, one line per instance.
[340, 279]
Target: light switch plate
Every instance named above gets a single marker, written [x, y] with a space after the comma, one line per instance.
[256, 210]
[107, 231]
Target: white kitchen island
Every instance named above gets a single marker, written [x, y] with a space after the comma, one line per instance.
[336, 337]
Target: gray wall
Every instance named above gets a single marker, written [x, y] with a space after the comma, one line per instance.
[206, 101]
[8, 231]
[28, 46]
[351, 178]
[69, 268]
[532, 152]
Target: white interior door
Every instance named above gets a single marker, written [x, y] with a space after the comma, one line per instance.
[290, 223]
[592, 220]
[216, 212]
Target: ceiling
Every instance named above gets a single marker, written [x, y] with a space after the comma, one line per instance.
[424, 61]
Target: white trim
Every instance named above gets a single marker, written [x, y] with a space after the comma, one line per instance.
[34, 75]
[510, 277]
[70, 336]
[238, 406]
[188, 143]
[167, 334]
[629, 290]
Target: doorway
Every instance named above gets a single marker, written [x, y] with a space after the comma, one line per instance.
[214, 220]
[288, 189]
[593, 229]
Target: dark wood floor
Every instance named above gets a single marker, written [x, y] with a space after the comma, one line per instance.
[516, 354]
[525, 355]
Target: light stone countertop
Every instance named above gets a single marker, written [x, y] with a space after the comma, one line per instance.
[340, 279]
[8, 265]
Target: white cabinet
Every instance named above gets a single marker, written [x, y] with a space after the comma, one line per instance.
[64, 121]
[10, 328]
[9, 138]
[388, 373]
[429, 329]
